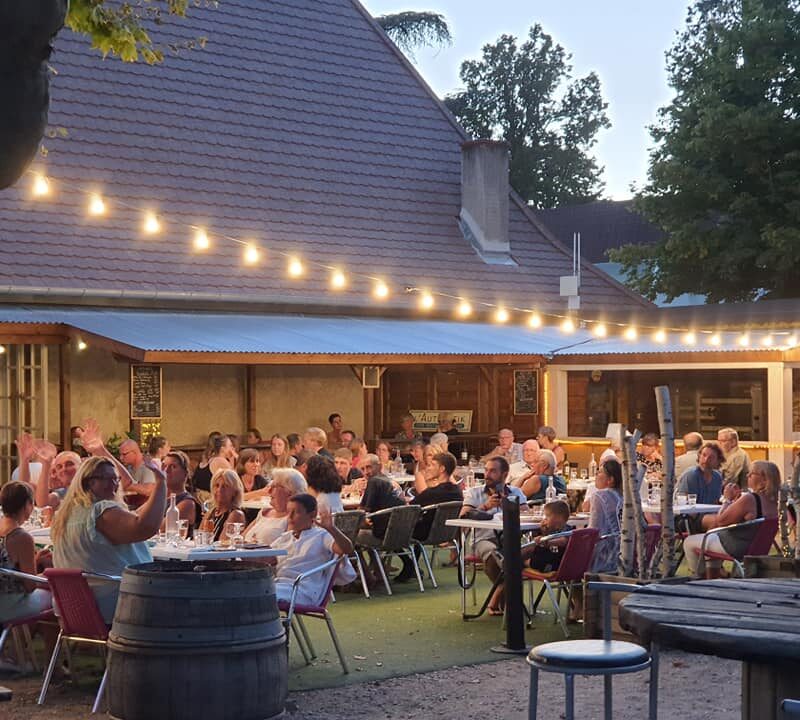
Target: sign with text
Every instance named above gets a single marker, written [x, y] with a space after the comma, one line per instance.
[428, 420]
[145, 392]
[526, 392]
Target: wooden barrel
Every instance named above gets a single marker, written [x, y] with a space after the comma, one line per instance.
[201, 641]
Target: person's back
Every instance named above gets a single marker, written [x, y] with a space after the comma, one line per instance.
[379, 495]
[441, 493]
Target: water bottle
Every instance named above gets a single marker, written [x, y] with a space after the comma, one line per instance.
[172, 517]
[565, 470]
[464, 456]
[592, 468]
[550, 493]
[397, 465]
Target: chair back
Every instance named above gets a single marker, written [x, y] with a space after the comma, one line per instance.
[400, 527]
[349, 522]
[78, 613]
[577, 555]
[328, 594]
[439, 532]
[761, 543]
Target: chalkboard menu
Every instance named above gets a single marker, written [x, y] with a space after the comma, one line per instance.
[526, 392]
[145, 392]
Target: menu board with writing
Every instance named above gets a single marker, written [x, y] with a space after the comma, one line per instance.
[145, 392]
[526, 392]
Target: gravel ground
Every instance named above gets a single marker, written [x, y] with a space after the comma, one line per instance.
[476, 692]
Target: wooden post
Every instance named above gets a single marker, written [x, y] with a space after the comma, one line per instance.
[64, 397]
[628, 529]
[250, 396]
[667, 430]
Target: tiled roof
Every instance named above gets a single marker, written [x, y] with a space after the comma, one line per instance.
[603, 225]
[298, 125]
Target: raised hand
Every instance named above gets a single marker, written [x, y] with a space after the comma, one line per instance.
[45, 450]
[325, 519]
[25, 447]
[92, 438]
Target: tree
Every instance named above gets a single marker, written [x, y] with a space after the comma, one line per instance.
[724, 176]
[410, 30]
[525, 95]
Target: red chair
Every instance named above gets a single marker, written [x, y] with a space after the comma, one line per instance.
[574, 564]
[760, 544]
[79, 618]
[25, 622]
[295, 612]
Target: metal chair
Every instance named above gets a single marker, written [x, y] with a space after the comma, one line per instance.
[574, 564]
[439, 533]
[763, 529]
[604, 657]
[790, 709]
[349, 522]
[397, 539]
[79, 618]
[23, 624]
[295, 612]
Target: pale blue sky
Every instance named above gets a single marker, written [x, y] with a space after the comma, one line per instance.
[622, 40]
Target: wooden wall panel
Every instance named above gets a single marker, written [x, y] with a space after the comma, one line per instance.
[577, 391]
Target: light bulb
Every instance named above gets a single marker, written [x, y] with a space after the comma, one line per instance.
[251, 254]
[295, 268]
[630, 333]
[2, 349]
[41, 186]
[501, 315]
[715, 340]
[767, 340]
[660, 336]
[600, 330]
[535, 320]
[426, 301]
[97, 205]
[791, 341]
[568, 325]
[151, 224]
[380, 290]
[689, 338]
[201, 241]
[743, 339]
[338, 280]
[464, 309]
[82, 345]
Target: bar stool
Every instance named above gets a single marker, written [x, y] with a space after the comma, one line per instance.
[604, 657]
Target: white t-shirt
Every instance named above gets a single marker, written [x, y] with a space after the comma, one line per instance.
[265, 530]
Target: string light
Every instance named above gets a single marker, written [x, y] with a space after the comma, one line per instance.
[380, 290]
[295, 268]
[2, 349]
[767, 340]
[743, 340]
[151, 224]
[501, 315]
[41, 186]
[630, 333]
[201, 241]
[338, 280]
[535, 320]
[426, 301]
[600, 330]
[715, 340]
[464, 309]
[791, 341]
[568, 325]
[251, 254]
[660, 336]
[82, 345]
[689, 338]
[97, 205]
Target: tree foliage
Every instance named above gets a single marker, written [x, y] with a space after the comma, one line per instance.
[724, 176]
[524, 94]
[410, 30]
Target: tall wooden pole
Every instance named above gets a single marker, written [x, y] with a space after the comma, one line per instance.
[667, 430]
[630, 499]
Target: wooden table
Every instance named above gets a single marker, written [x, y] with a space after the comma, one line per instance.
[754, 620]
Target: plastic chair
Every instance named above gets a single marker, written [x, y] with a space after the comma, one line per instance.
[574, 564]
[79, 618]
[348, 523]
[604, 657]
[439, 532]
[24, 623]
[297, 611]
[397, 539]
[761, 543]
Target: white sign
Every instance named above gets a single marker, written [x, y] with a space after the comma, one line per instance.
[428, 420]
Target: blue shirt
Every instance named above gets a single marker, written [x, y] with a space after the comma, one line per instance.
[692, 482]
[558, 483]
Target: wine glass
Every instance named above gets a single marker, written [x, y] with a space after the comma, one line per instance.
[234, 532]
[584, 474]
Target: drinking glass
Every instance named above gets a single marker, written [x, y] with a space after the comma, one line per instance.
[183, 530]
[692, 499]
[584, 474]
[573, 474]
[234, 532]
[682, 499]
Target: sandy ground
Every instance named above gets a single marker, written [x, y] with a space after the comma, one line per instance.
[691, 687]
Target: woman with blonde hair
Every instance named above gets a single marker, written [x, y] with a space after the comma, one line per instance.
[227, 491]
[277, 456]
[764, 481]
[273, 521]
[94, 531]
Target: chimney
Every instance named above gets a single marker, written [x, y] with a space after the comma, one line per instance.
[484, 199]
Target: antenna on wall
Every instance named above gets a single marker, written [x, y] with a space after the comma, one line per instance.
[570, 284]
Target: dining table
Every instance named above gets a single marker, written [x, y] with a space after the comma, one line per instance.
[187, 551]
[751, 620]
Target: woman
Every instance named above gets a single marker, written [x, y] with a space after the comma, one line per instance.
[384, 452]
[324, 483]
[278, 455]
[764, 481]
[227, 491]
[359, 449]
[650, 457]
[94, 531]
[18, 599]
[606, 508]
[175, 466]
[217, 456]
[272, 521]
[425, 471]
[157, 448]
[248, 467]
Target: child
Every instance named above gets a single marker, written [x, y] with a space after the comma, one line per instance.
[542, 556]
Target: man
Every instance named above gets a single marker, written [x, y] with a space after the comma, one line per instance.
[131, 456]
[301, 461]
[417, 450]
[508, 449]
[308, 546]
[519, 469]
[407, 433]
[347, 437]
[487, 498]
[704, 480]
[534, 483]
[446, 424]
[736, 467]
[546, 438]
[295, 444]
[343, 461]
[315, 440]
[692, 442]
[335, 435]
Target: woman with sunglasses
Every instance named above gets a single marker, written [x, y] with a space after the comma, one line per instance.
[175, 465]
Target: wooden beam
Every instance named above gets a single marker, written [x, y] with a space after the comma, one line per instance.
[250, 396]
[249, 358]
[357, 372]
[674, 358]
[64, 397]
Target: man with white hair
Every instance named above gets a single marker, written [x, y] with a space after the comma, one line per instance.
[522, 468]
[736, 467]
[506, 447]
[315, 440]
[692, 442]
[534, 483]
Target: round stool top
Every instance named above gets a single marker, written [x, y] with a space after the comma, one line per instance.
[589, 654]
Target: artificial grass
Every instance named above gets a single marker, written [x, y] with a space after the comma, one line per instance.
[408, 632]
